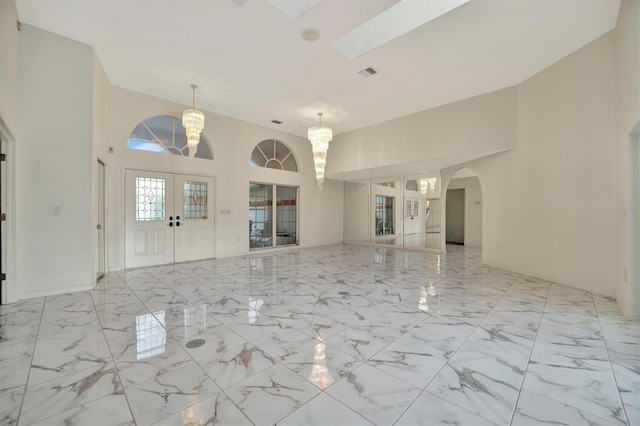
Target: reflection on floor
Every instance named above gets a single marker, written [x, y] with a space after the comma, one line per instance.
[338, 335]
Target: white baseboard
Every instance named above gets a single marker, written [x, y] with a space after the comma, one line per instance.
[625, 310]
[55, 291]
[595, 290]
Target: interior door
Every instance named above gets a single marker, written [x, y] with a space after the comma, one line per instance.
[149, 218]
[194, 228]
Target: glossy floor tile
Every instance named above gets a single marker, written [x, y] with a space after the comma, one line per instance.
[336, 335]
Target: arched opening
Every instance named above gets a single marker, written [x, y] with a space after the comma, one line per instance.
[463, 209]
[165, 134]
[273, 154]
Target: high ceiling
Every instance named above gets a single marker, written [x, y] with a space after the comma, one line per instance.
[251, 63]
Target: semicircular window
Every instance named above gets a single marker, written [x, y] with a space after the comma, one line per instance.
[273, 154]
[166, 135]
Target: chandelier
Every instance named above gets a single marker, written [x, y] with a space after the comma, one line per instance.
[320, 136]
[193, 122]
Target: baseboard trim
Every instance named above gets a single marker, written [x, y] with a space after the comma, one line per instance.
[595, 290]
[625, 310]
[55, 291]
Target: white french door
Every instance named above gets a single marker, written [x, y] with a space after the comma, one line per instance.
[168, 218]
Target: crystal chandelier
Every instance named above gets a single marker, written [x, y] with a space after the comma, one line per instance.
[320, 136]
[193, 122]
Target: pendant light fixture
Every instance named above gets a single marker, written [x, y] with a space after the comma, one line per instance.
[320, 136]
[193, 122]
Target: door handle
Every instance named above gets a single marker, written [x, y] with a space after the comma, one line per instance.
[170, 223]
[177, 223]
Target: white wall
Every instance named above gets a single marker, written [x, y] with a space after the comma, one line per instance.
[232, 142]
[472, 209]
[480, 124]
[627, 107]
[356, 211]
[544, 200]
[53, 164]
[101, 114]
[9, 65]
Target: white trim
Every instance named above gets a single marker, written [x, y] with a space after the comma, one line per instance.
[536, 274]
[11, 292]
[625, 310]
[631, 300]
[57, 291]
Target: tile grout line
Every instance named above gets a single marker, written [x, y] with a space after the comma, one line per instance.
[455, 351]
[24, 394]
[613, 374]
[190, 356]
[115, 367]
[535, 340]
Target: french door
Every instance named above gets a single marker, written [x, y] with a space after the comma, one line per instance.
[168, 218]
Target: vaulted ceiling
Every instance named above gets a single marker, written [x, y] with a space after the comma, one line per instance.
[251, 62]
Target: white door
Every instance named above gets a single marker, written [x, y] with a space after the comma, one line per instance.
[193, 230]
[169, 218]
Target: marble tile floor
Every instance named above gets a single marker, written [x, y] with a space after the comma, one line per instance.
[335, 335]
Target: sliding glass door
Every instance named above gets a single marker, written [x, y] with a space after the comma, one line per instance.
[273, 215]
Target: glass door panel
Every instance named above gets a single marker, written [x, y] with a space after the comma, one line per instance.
[260, 215]
[286, 215]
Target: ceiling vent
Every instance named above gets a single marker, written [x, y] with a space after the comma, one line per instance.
[368, 72]
[276, 121]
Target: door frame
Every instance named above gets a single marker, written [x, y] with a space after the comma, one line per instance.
[8, 287]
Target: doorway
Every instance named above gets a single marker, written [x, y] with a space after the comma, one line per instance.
[455, 216]
[100, 222]
[168, 218]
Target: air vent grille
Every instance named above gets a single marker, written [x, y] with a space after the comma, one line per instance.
[368, 72]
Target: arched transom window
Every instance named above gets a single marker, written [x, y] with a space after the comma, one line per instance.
[273, 154]
[165, 134]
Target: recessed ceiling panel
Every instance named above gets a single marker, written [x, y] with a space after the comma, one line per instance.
[294, 8]
[392, 23]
